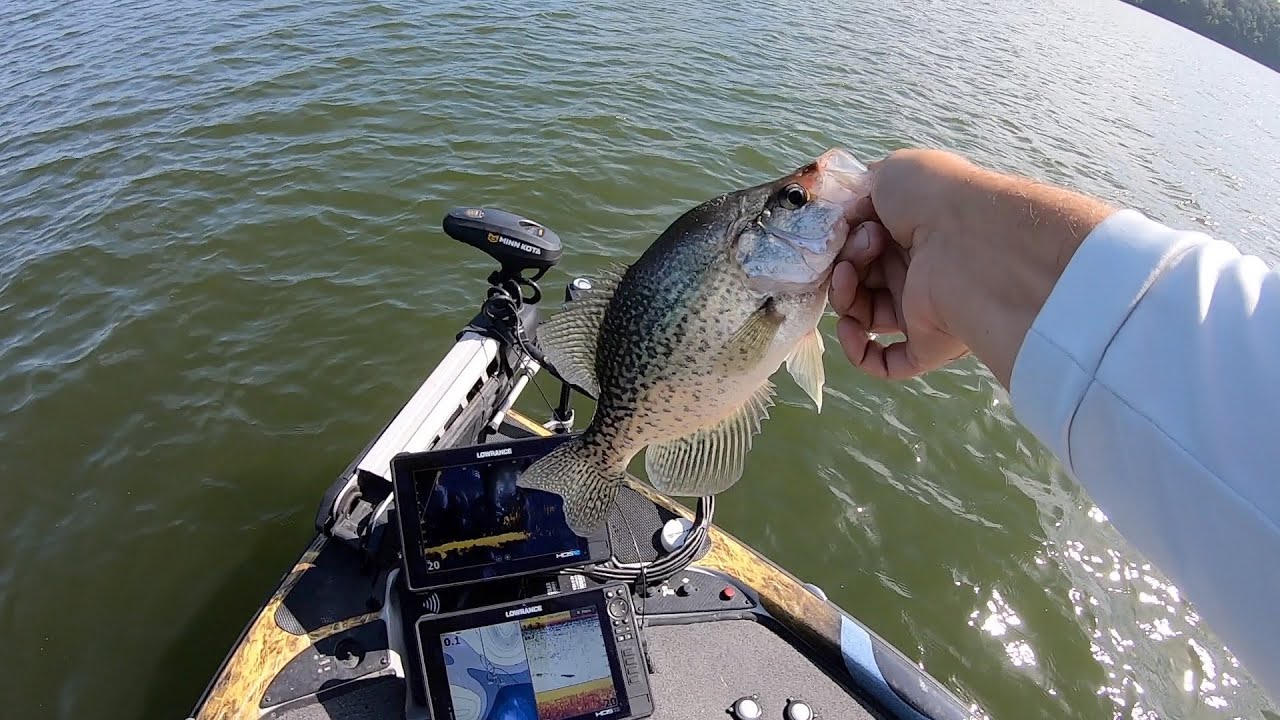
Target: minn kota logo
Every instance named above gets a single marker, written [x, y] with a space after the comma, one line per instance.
[504, 240]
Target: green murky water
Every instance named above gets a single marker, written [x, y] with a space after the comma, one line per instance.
[221, 272]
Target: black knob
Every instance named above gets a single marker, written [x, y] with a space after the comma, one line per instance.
[618, 608]
[347, 653]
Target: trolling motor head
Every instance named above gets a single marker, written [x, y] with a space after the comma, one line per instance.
[517, 243]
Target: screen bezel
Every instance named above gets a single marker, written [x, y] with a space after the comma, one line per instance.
[404, 470]
[429, 628]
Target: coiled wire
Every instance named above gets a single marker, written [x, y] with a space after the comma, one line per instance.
[665, 567]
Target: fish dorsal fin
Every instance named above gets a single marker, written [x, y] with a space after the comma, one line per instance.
[711, 459]
[569, 337]
[805, 365]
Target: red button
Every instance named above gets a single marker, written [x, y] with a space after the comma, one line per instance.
[727, 593]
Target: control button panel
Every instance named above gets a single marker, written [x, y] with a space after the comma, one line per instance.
[696, 591]
[630, 651]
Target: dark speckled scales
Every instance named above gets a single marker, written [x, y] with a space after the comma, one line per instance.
[668, 318]
[682, 356]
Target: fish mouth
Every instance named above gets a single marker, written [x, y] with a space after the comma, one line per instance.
[809, 248]
[842, 167]
[800, 241]
[837, 180]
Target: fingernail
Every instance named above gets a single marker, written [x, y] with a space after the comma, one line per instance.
[862, 239]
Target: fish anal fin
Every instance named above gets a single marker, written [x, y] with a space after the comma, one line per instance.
[570, 337]
[710, 460]
[752, 341]
[805, 365]
[582, 476]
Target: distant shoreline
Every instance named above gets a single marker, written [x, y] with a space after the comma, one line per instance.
[1250, 27]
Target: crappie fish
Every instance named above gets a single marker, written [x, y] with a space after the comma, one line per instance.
[679, 347]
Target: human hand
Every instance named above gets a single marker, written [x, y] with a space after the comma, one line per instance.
[882, 278]
[952, 256]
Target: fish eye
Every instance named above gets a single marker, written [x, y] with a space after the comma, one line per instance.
[794, 196]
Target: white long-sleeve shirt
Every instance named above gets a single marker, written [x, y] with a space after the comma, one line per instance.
[1153, 374]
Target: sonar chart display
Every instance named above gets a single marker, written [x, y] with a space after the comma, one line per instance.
[464, 519]
[565, 656]
[547, 667]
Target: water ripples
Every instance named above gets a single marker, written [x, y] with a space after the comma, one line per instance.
[222, 271]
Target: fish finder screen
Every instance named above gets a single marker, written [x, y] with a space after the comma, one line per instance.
[541, 667]
[475, 522]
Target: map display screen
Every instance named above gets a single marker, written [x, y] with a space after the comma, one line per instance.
[463, 518]
[541, 667]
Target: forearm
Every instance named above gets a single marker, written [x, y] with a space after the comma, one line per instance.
[1007, 240]
[1143, 357]
[1150, 373]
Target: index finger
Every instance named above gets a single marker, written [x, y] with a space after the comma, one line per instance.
[864, 245]
[863, 210]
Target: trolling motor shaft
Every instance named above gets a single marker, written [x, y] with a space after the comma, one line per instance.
[562, 417]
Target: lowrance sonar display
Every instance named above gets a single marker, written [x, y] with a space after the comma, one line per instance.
[463, 519]
[560, 657]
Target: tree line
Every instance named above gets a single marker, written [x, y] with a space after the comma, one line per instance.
[1250, 27]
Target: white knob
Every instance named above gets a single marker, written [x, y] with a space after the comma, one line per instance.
[797, 710]
[746, 709]
[674, 533]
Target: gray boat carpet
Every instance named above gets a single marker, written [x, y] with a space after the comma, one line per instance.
[701, 669]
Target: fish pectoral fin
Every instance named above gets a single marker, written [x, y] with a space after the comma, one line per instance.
[569, 338]
[581, 476]
[751, 342]
[805, 365]
[709, 460]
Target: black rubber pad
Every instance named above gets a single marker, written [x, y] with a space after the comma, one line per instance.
[381, 697]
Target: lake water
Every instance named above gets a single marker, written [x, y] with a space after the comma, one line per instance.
[221, 271]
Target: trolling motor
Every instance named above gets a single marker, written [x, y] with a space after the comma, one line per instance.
[519, 245]
[355, 508]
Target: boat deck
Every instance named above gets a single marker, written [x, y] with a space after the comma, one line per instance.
[699, 670]
[329, 643]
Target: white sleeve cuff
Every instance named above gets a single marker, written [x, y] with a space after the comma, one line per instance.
[1105, 279]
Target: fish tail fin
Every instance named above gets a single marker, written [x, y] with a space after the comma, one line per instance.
[582, 475]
